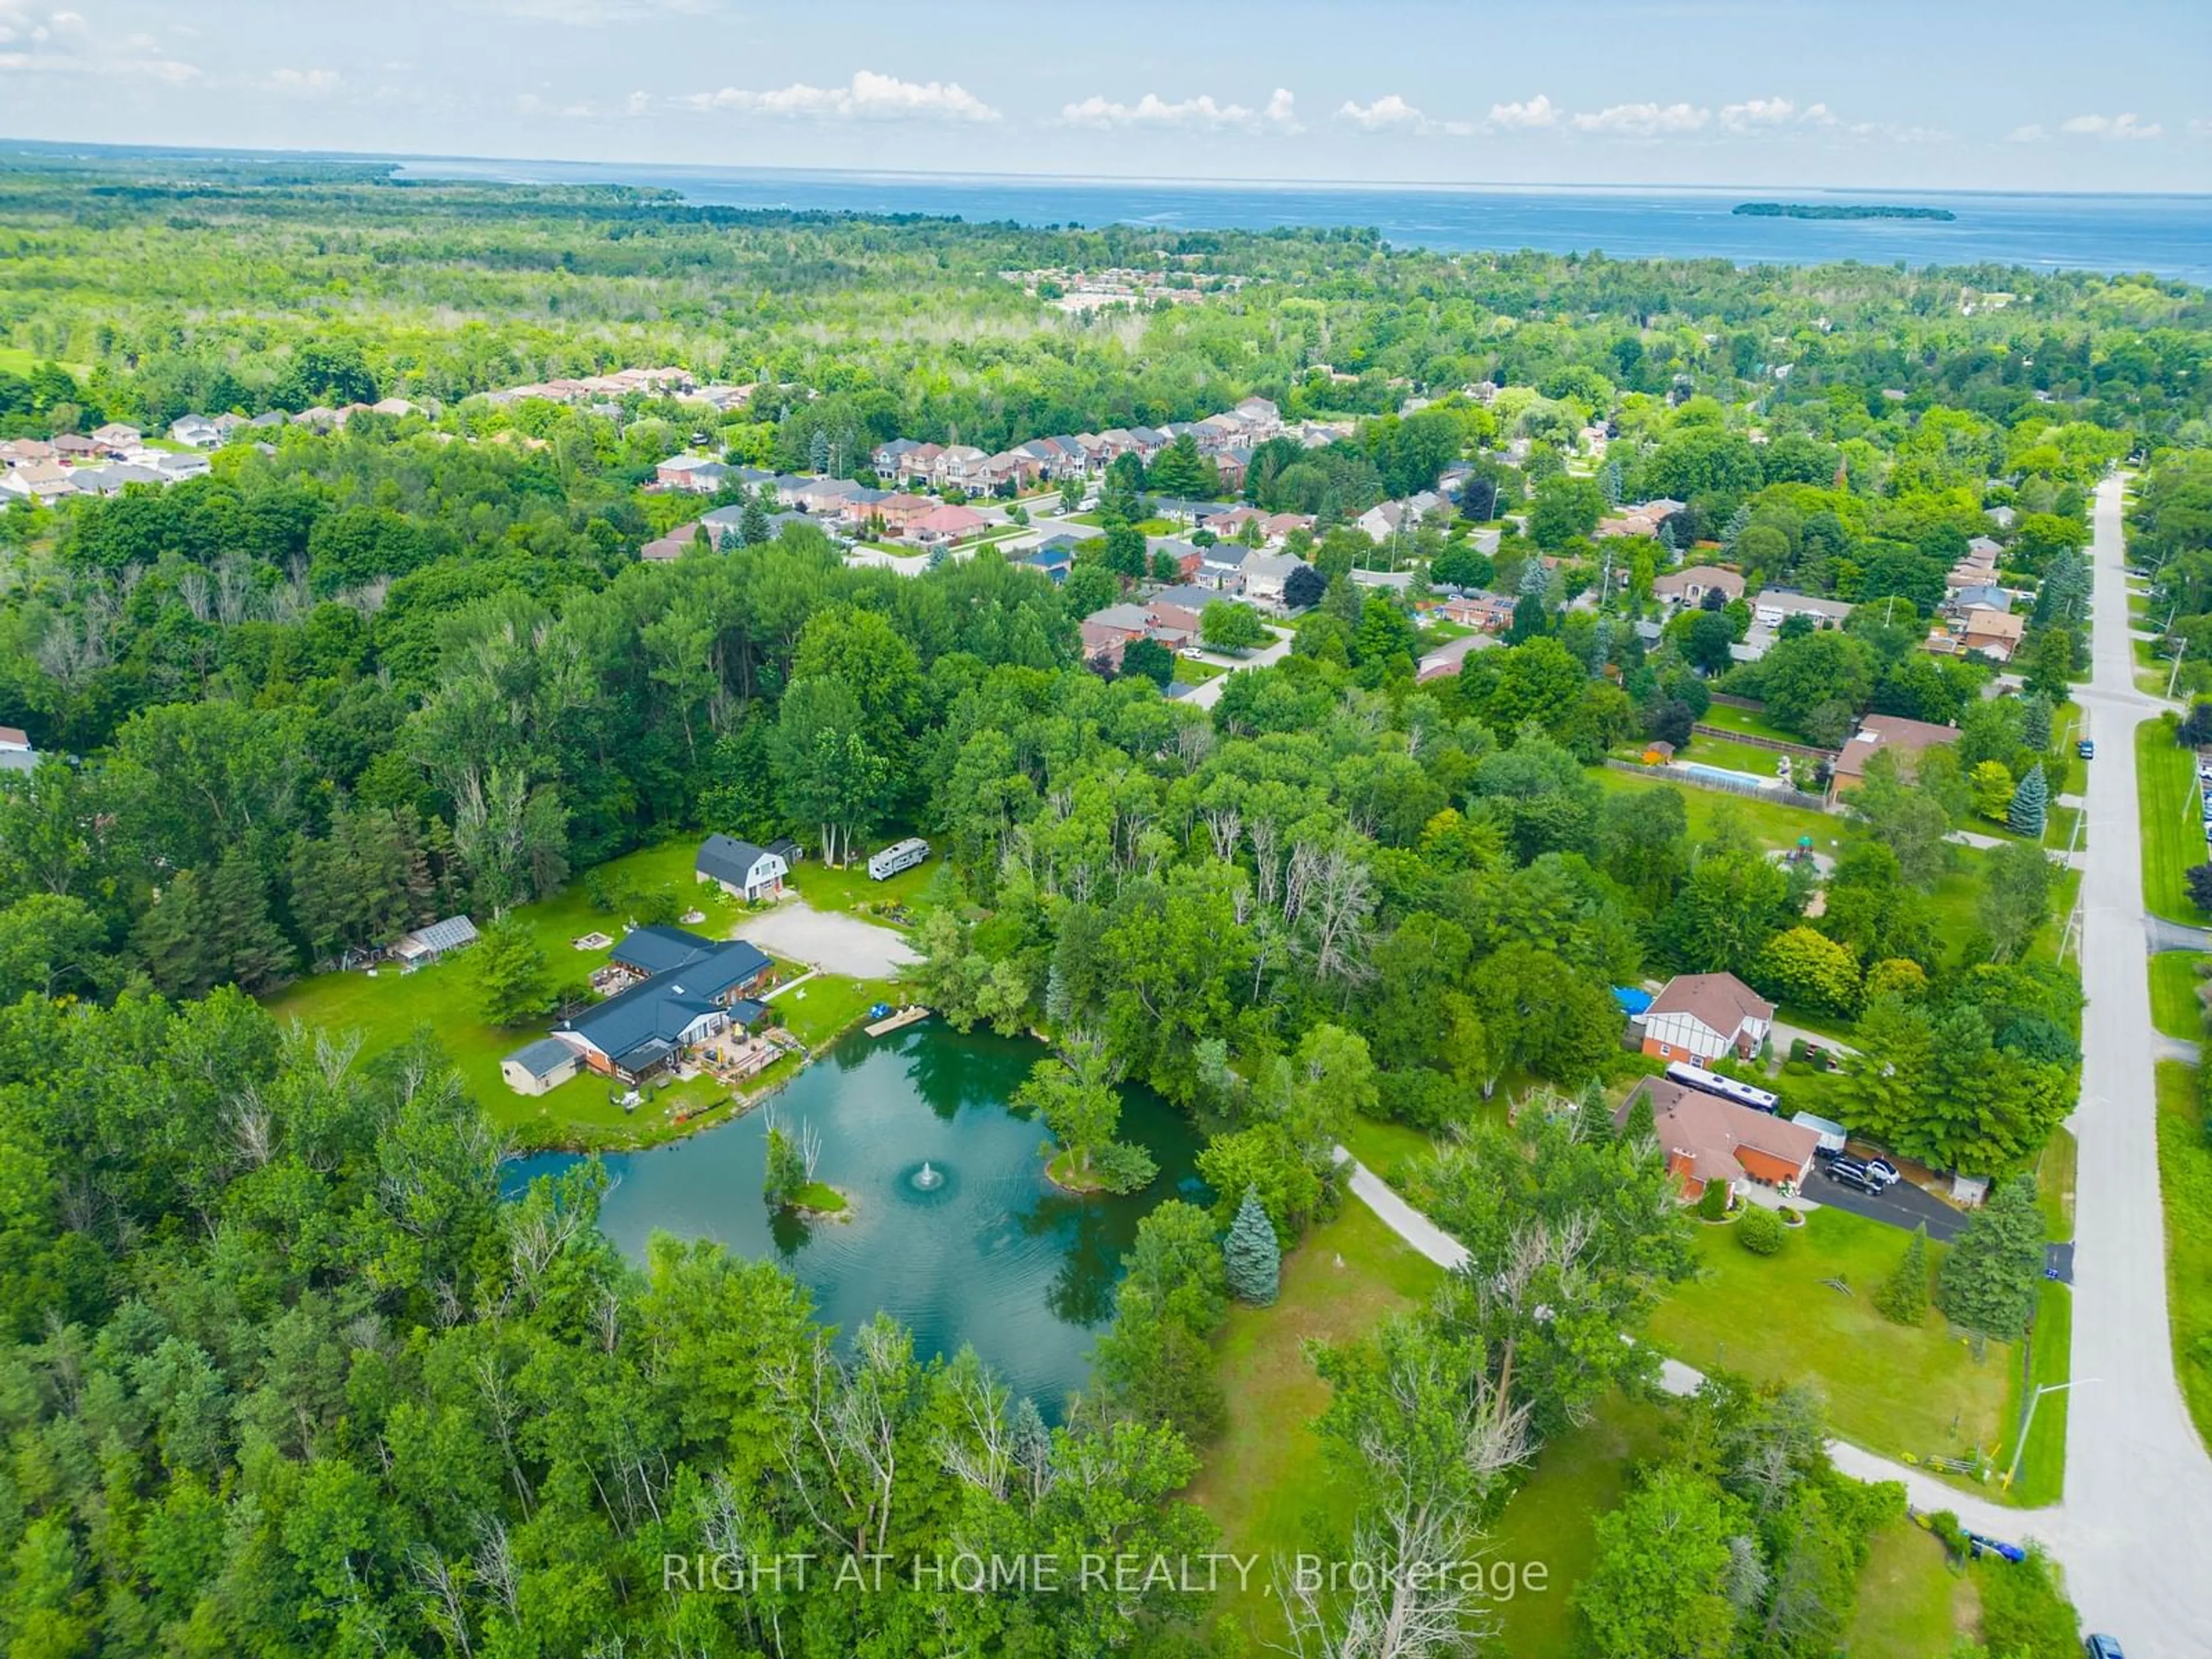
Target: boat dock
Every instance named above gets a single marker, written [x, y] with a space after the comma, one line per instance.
[907, 1016]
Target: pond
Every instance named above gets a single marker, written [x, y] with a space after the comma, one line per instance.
[982, 1250]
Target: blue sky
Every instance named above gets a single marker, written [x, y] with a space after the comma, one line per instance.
[2029, 94]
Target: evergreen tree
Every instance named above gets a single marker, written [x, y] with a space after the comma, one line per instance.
[752, 523]
[256, 953]
[2031, 803]
[512, 979]
[1739, 521]
[1668, 540]
[1988, 1282]
[1608, 480]
[2035, 723]
[1903, 1296]
[176, 942]
[1252, 1258]
[817, 451]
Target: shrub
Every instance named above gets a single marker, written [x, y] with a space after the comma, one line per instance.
[1760, 1231]
[1713, 1203]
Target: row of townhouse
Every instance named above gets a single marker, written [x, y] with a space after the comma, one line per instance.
[103, 463]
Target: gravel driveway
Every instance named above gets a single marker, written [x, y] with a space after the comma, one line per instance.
[833, 942]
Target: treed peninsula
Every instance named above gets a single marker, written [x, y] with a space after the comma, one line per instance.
[1836, 210]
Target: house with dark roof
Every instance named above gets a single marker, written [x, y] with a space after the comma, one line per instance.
[1707, 1140]
[744, 870]
[1703, 1016]
[647, 1024]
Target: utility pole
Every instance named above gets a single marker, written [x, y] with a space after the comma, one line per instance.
[2171, 679]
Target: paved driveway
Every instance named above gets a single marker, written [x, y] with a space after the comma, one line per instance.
[1903, 1205]
[832, 941]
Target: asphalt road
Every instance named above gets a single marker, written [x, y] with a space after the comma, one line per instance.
[2136, 1532]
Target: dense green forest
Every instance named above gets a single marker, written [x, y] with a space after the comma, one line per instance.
[286, 1376]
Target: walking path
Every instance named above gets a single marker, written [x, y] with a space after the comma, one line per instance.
[1922, 1490]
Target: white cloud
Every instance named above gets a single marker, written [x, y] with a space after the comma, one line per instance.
[1768, 114]
[869, 96]
[584, 13]
[1204, 112]
[2032, 133]
[303, 82]
[1389, 113]
[1537, 112]
[2110, 126]
[2199, 127]
[37, 42]
[1644, 120]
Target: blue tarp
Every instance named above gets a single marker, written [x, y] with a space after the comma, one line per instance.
[1631, 1000]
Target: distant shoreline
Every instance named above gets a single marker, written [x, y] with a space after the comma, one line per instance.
[1835, 210]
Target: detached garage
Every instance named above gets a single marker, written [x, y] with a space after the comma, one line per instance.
[545, 1064]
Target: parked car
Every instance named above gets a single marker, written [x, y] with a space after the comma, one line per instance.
[1882, 1170]
[1984, 1545]
[2086, 748]
[2102, 1647]
[1849, 1172]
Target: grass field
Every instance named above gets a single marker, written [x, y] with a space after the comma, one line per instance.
[2175, 977]
[2043, 1465]
[1893, 1389]
[1910, 1604]
[1383, 1147]
[1736, 756]
[1749, 721]
[2173, 833]
[1552, 1519]
[1265, 1482]
[1770, 823]
[389, 1009]
[2054, 1183]
[851, 890]
[2184, 1174]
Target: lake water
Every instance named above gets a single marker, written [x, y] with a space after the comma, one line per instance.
[2169, 235]
[993, 1256]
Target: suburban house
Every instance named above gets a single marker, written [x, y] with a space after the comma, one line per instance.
[684, 1001]
[1775, 606]
[1708, 1139]
[890, 459]
[900, 511]
[117, 438]
[947, 524]
[2003, 517]
[1700, 1017]
[1690, 584]
[1891, 733]
[1266, 574]
[1221, 566]
[1186, 558]
[428, 944]
[1055, 559]
[197, 430]
[958, 465]
[674, 546]
[1988, 596]
[1491, 612]
[1993, 633]
[16, 754]
[538, 1067]
[744, 870]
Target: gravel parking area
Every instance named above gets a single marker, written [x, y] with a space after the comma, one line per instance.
[834, 943]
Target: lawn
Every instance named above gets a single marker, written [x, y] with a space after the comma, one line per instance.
[1552, 1519]
[1384, 1148]
[2043, 1465]
[1736, 756]
[2175, 977]
[1752, 722]
[389, 1009]
[1910, 1604]
[1771, 823]
[2173, 832]
[2184, 1175]
[1265, 1482]
[2054, 1183]
[1903, 1392]
[853, 890]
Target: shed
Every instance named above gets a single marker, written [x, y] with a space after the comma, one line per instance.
[1832, 1135]
[538, 1067]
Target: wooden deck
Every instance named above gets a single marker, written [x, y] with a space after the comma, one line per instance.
[905, 1017]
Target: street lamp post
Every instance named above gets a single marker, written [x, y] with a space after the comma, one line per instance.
[2034, 1400]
